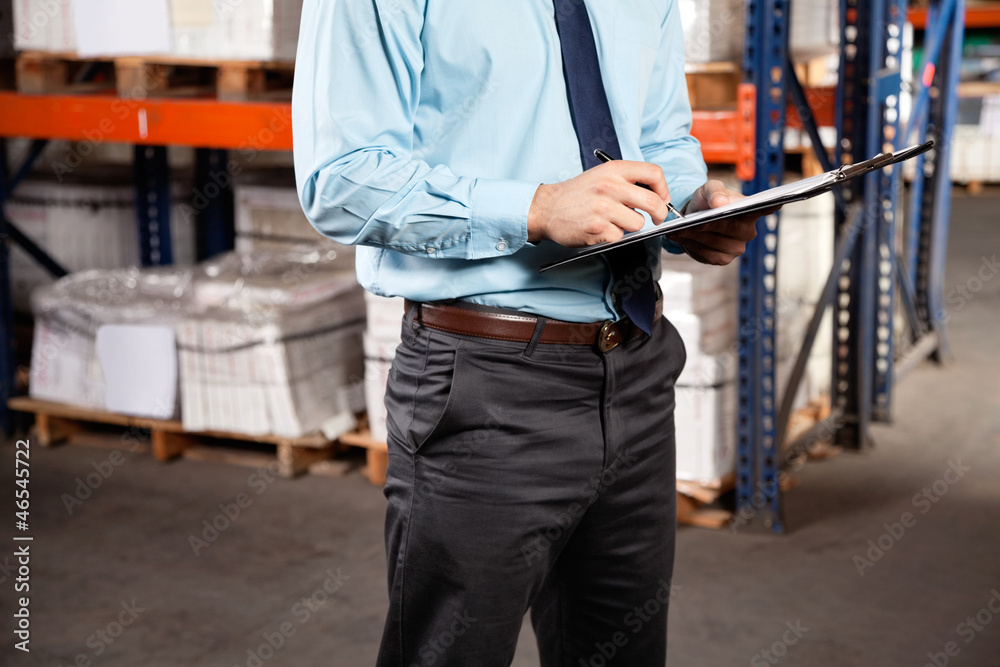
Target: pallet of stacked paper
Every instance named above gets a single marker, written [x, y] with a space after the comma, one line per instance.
[805, 257]
[272, 346]
[714, 29]
[269, 218]
[244, 30]
[85, 224]
[44, 25]
[105, 340]
[257, 30]
[382, 337]
[700, 301]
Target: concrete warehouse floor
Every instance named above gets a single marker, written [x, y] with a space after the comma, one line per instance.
[123, 556]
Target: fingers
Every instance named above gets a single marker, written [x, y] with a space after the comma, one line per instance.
[635, 197]
[712, 254]
[743, 230]
[627, 219]
[619, 181]
[712, 194]
[716, 194]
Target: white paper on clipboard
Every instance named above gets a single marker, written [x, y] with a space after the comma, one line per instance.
[783, 194]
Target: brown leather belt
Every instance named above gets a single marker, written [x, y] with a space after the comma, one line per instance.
[513, 326]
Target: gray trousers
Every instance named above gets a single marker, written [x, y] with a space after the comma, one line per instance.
[530, 477]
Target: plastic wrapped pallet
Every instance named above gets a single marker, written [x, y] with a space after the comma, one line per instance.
[270, 218]
[88, 224]
[44, 25]
[264, 30]
[382, 337]
[73, 314]
[714, 29]
[246, 30]
[273, 346]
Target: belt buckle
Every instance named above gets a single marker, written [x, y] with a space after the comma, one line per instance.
[609, 337]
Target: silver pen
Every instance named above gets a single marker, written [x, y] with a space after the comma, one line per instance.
[604, 157]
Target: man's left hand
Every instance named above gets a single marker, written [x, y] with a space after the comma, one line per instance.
[722, 241]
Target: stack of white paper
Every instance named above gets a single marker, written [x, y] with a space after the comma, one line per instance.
[104, 340]
[700, 301]
[270, 218]
[273, 346]
[265, 30]
[383, 336]
[85, 225]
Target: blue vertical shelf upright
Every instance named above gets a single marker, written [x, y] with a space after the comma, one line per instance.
[758, 495]
[869, 275]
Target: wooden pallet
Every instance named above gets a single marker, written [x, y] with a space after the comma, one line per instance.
[712, 86]
[41, 73]
[56, 423]
[695, 503]
[377, 453]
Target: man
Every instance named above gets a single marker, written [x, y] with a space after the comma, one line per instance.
[531, 444]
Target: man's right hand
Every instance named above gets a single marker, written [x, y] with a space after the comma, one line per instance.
[599, 205]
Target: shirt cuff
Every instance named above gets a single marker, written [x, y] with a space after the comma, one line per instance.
[500, 217]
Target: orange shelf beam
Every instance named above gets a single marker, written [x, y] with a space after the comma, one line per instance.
[975, 17]
[237, 125]
[726, 136]
[158, 122]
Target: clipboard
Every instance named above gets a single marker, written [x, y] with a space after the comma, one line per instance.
[779, 196]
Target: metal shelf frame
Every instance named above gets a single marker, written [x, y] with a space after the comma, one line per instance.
[868, 275]
[861, 288]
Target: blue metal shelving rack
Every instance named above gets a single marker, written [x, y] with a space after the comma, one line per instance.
[861, 288]
[868, 271]
[151, 176]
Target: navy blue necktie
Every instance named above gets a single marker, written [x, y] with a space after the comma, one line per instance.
[595, 129]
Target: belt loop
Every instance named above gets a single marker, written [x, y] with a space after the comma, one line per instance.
[412, 314]
[536, 336]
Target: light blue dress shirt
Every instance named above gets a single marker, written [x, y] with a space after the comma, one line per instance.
[423, 128]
